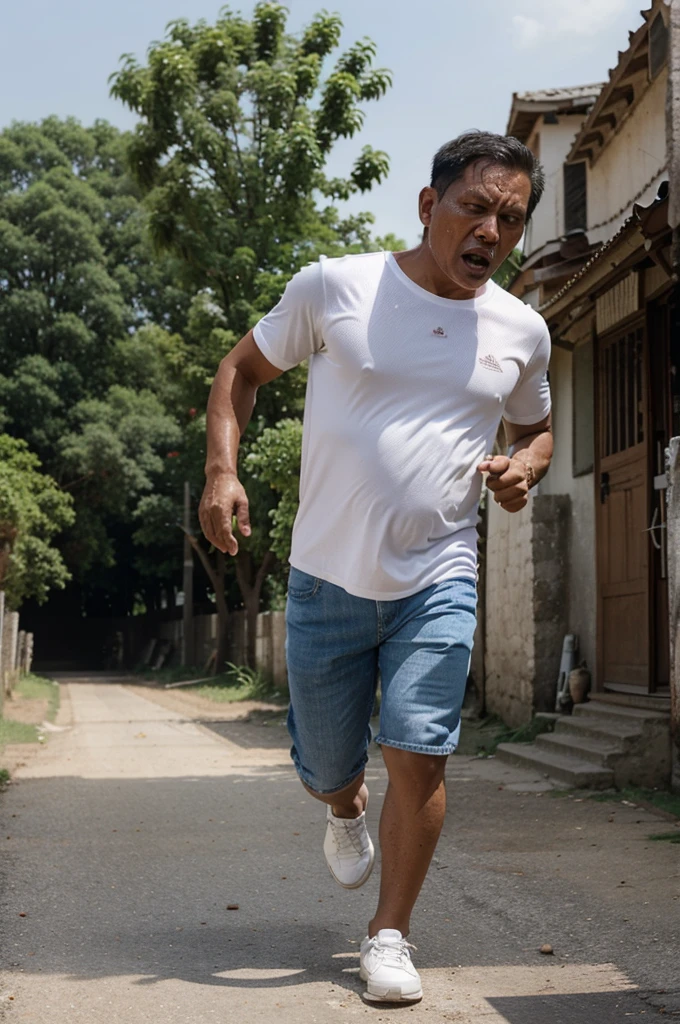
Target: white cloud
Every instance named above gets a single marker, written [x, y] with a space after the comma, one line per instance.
[528, 31]
[584, 18]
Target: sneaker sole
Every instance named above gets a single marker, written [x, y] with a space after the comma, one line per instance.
[364, 878]
[388, 995]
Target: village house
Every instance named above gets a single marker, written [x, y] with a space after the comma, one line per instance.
[588, 559]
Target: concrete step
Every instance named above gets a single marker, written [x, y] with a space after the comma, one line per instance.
[618, 712]
[609, 730]
[585, 748]
[572, 771]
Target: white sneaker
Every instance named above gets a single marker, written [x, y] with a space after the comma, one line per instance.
[386, 966]
[348, 850]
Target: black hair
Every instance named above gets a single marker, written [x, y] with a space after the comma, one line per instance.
[451, 160]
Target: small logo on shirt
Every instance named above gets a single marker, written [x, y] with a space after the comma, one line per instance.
[491, 363]
[439, 332]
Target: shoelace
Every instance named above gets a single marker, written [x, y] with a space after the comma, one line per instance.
[347, 835]
[394, 952]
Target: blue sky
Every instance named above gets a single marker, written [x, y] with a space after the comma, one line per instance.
[456, 64]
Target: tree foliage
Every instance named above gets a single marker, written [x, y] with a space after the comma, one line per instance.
[235, 127]
[236, 123]
[32, 511]
[89, 364]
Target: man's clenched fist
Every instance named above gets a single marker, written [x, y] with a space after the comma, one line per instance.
[510, 480]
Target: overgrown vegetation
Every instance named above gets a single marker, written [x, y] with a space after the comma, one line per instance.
[237, 683]
[501, 733]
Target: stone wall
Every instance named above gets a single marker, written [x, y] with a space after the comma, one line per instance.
[527, 605]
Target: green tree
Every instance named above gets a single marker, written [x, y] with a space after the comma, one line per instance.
[509, 269]
[236, 123]
[32, 511]
[86, 310]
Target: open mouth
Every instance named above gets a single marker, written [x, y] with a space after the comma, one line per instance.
[475, 261]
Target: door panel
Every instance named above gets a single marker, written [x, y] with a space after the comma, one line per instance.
[623, 540]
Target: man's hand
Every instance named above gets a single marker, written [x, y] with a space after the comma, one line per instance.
[224, 498]
[509, 479]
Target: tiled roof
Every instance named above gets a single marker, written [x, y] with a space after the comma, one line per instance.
[574, 92]
[527, 107]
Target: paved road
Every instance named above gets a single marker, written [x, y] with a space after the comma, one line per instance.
[130, 835]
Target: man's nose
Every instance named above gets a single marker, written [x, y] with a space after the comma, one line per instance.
[487, 230]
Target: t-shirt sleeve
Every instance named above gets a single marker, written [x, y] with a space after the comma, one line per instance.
[530, 401]
[291, 332]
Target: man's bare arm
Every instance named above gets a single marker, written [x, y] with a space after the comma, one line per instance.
[230, 406]
[511, 477]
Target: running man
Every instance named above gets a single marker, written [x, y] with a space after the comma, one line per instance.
[414, 359]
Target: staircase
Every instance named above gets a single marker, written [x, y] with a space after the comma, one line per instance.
[600, 746]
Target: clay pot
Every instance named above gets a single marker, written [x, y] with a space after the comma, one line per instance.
[579, 683]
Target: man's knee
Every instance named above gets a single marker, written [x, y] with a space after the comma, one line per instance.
[420, 774]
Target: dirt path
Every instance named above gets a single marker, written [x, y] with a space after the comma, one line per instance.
[128, 838]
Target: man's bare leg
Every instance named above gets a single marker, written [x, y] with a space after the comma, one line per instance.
[349, 802]
[410, 825]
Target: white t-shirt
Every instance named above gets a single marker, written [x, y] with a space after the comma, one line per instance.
[406, 392]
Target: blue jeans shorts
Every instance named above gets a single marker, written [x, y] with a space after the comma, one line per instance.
[337, 645]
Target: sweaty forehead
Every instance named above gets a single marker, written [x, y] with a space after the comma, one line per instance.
[497, 182]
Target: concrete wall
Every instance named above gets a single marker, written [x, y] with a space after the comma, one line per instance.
[673, 469]
[634, 158]
[527, 589]
[581, 561]
[510, 627]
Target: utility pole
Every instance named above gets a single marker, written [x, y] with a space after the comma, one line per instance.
[188, 584]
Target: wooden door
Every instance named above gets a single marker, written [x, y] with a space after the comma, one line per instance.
[622, 520]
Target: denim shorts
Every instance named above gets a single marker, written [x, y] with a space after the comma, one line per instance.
[338, 646]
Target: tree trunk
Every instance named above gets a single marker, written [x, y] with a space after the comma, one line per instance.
[250, 584]
[216, 577]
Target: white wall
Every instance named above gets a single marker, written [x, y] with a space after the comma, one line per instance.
[633, 158]
[553, 142]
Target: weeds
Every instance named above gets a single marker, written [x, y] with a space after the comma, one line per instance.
[4, 777]
[665, 837]
[663, 799]
[526, 733]
[16, 732]
[237, 683]
[33, 687]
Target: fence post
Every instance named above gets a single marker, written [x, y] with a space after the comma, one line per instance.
[28, 653]
[10, 637]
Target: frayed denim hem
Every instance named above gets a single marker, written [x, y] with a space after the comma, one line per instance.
[310, 782]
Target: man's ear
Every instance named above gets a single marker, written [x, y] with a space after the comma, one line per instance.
[427, 201]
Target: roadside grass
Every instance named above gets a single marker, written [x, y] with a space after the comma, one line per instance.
[32, 687]
[497, 732]
[29, 688]
[665, 837]
[16, 732]
[237, 683]
[662, 799]
[4, 777]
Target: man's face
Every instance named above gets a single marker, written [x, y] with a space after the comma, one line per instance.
[477, 222]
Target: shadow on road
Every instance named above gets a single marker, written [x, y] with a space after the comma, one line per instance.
[134, 878]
